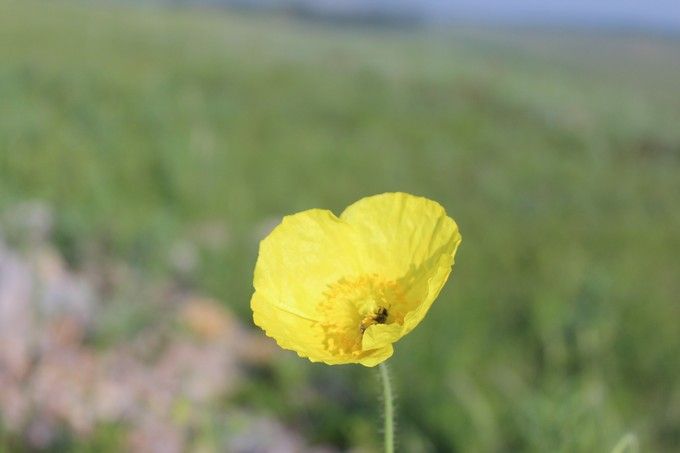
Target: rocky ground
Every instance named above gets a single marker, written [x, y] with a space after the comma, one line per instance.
[67, 368]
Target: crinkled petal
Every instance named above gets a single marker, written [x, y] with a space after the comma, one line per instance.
[380, 336]
[305, 253]
[376, 356]
[290, 330]
[409, 239]
[427, 282]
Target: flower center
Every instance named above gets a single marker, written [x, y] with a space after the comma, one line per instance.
[352, 305]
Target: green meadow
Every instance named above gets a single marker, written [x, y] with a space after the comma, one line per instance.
[556, 151]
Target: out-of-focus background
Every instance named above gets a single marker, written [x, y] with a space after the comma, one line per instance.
[146, 148]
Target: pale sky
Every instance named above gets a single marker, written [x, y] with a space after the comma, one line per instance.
[646, 13]
[655, 14]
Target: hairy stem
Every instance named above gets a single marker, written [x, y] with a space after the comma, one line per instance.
[389, 409]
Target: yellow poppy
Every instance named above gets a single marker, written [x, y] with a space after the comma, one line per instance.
[343, 289]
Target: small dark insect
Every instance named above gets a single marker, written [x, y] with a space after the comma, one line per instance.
[381, 316]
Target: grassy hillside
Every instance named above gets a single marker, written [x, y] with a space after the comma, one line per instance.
[559, 158]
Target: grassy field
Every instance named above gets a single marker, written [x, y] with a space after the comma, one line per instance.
[557, 153]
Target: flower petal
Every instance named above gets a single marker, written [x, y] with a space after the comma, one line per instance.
[291, 331]
[376, 356]
[381, 335]
[409, 239]
[426, 283]
[299, 259]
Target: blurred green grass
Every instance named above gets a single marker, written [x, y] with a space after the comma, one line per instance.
[559, 158]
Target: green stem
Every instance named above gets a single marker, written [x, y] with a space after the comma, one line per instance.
[389, 409]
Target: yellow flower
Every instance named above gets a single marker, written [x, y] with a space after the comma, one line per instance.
[343, 289]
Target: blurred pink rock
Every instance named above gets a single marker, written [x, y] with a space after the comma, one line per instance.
[161, 384]
[16, 315]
